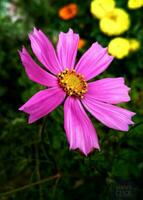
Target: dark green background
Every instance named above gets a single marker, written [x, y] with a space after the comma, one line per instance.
[32, 153]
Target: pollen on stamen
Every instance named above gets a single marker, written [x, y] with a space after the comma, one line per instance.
[72, 83]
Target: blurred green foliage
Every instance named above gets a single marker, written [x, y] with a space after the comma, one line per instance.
[32, 153]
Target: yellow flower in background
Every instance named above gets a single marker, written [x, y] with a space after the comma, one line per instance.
[134, 44]
[115, 22]
[119, 47]
[134, 4]
[100, 7]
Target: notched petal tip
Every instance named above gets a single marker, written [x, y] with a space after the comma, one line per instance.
[86, 153]
[30, 120]
[96, 44]
[70, 30]
[35, 30]
[23, 50]
[21, 108]
[128, 88]
[34, 33]
[111, 57]
[133, 114]
[30, 35]
[19, 52]
[23, 53]
[99, 46]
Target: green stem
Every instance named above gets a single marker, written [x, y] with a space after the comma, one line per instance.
[41, 131]
[32, 184]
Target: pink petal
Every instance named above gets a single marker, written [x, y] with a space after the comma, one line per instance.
[112, 116]
[109, 90]
[43, 102]
[94, 61]
[34, 72]
[43, 49]
[67, 49]
[79, 129]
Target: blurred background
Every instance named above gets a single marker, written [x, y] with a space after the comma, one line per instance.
[34, 166]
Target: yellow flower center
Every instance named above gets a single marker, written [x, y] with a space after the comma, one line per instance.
[112, 16]
[72, 83]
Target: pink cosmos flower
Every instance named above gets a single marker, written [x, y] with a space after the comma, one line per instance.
[65, 80]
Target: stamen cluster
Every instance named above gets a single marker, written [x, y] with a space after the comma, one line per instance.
[72, 83]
